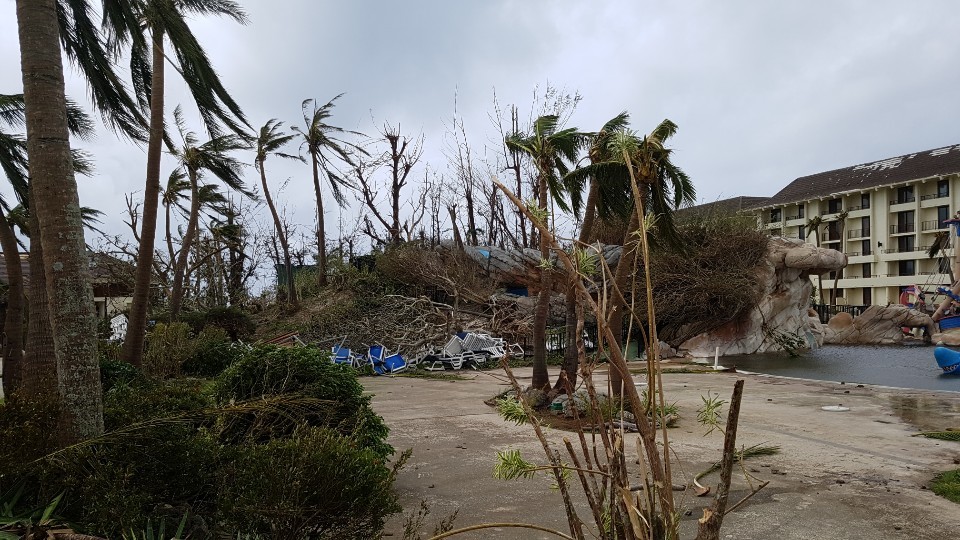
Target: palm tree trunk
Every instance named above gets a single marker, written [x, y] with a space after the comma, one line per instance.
[616, 301]
[541, 378]
[137, 326]
[288, 266]
[176, 295]
[13, 321]
[571, 359]
[57, 207]
[321, 234]
[39, 373]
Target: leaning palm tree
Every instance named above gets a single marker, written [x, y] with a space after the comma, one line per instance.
[608, 195]
[839, 223]
[658, 187]
[141, 29]
[194, 159]
[269, 142]
[550, 149]
[325, 145]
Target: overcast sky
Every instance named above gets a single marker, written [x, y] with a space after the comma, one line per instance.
[763, 92]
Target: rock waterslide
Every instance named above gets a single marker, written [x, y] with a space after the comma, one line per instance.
[782, 319]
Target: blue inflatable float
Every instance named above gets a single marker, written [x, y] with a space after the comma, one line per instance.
[947, 359]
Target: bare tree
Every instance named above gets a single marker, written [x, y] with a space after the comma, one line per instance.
[397, 158]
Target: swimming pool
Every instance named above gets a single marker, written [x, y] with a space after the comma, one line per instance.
[900, 366]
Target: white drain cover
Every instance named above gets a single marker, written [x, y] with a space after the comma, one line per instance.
[835, 408]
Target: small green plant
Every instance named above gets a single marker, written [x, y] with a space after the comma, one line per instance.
[35, 523]
[945, 435]
[709, 414]
[160, 534]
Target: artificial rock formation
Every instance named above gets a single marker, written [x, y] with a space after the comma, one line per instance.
[877, 325]
[781, 320]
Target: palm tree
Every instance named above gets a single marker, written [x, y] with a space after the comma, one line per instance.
[212, 156]
[269, 142]
[550, 149]
[324, 144]
[129, 24]
[39, 369]
[661, 188]
[839, 225]
[608, 195]
[813, 227]
[55, 205]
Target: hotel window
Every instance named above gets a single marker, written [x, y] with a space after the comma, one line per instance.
[865, 248]
[943, 188]
[865, 226]
[800, 212]
[803, 232]
[835, 206]
[905, 194]
[864, 200]
[906, 244]
[867, 270]
[907, 268]
[867, 296]
[775, 215]
[943, 214]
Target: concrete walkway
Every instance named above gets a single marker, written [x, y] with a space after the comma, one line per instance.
[840, 475]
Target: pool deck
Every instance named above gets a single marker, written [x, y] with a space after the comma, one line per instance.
[840, 475]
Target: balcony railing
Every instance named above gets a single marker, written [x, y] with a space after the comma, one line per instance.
[827, 212]
[934, 196]
[773, 220]
[791, 218]
[857, 253]
[829, 237]
[862, 207]
[932, 225]
[858, 233]
[907, 250]
[902, 228]
[904, 200]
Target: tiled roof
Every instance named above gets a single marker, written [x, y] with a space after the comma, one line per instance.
[926, 164]
[724, 206]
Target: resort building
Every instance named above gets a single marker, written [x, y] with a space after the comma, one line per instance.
[884, 215]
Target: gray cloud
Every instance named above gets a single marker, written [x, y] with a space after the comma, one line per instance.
[763, 92]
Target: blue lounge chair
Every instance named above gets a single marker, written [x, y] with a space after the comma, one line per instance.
[342, 355]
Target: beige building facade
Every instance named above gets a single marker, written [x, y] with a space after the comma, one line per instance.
[883, 215]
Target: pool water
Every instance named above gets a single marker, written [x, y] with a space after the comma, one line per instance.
[900, 366]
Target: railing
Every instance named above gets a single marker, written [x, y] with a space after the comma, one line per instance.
[908, 250]
[857, 253]
[825, 311]
[858, 233]
[791, 218]
[932, 225]
[827, 212]
[861, 207]
[934, 196]
[773, 220]
[903, 200]
[829, 237]
[902, 229]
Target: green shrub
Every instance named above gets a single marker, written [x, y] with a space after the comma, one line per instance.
[271, 371]
[168, 345]
[147, 399]
[316, 484]
[117, 372]
[120, 482]
[211, 353]
[28, 429]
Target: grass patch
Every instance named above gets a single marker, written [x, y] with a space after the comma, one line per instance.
[946, 435]
[947, 485]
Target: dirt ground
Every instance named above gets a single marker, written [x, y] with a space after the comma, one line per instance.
[840, 475]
